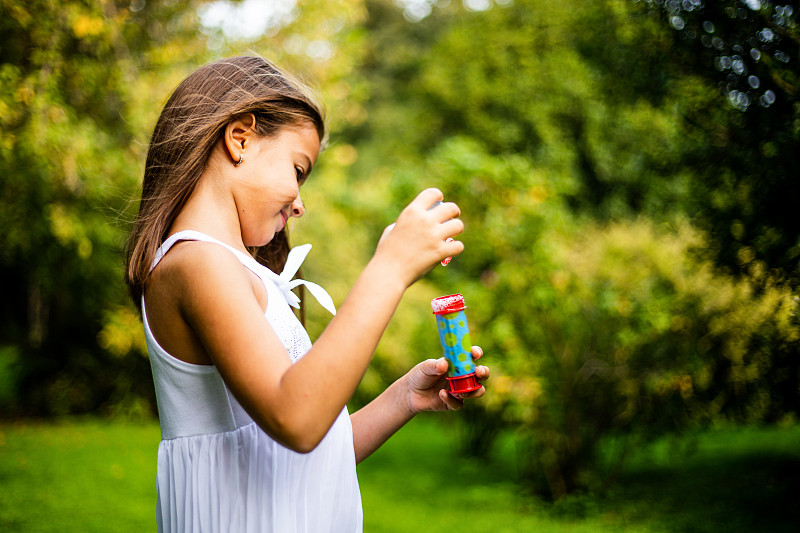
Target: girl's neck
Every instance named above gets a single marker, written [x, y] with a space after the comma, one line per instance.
[211, 210]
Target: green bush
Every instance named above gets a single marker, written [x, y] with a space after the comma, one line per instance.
[626, 328]
[591, 330]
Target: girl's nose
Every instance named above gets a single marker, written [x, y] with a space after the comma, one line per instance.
[298, 209]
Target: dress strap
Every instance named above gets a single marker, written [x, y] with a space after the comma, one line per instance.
[283, 280]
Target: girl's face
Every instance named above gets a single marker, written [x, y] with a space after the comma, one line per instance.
[267, 184]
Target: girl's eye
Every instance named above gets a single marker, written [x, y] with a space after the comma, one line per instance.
[301, 174]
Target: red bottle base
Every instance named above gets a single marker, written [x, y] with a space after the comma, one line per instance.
[463, 384]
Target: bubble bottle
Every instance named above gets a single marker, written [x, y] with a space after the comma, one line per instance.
[454, 337]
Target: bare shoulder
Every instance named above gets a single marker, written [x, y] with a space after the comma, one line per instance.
[197, 288]
[198, 274]
[200, 269]
[190, 259]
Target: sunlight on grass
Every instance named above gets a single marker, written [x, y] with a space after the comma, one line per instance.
[418, 480]
[78, 476]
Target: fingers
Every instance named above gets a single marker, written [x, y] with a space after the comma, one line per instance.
[429, 388]
[427, 198]
[474, 395]
[477, 352]
[453, 403]
[445, 212]
[451, 227]
[434, 367]
[425, 230]
[432, 200]
[482, 372]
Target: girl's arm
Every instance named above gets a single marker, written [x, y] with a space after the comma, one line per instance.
[297, 403]
[422, 389]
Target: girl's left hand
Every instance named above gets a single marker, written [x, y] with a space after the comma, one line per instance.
[427, 386]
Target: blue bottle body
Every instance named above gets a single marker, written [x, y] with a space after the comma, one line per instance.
[456, 342]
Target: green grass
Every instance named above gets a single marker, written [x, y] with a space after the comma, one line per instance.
[732, 480]
[85, 475]
[91, 475]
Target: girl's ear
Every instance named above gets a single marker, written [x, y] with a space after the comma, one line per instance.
[238, 134]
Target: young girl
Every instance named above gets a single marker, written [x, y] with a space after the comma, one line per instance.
[255, 432]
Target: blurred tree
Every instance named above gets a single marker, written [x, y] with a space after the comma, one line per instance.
[550, 131]
[742, 118]
[583, 90]
[744, 125]
[82, 81]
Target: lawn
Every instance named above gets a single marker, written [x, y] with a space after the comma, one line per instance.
[91, 475]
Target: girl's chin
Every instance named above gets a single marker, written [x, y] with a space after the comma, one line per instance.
[261, 241]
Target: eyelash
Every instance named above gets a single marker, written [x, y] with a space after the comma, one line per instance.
[301, 177]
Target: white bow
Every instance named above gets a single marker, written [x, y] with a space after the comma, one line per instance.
[296, 257]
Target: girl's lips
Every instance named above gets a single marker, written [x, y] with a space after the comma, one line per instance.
[284, 218]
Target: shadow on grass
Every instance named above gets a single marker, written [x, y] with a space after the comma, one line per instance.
[731, 481]
[733, 493]
[735, 480]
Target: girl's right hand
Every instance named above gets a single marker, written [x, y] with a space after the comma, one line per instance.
[418, 239]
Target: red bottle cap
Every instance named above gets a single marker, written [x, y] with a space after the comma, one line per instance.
[448, 304]
[464, 384]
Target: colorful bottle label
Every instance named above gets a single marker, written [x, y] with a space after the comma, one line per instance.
[455, 339]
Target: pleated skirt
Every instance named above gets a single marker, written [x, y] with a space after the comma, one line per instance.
[242, 481]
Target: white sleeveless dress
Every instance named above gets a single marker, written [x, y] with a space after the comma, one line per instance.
[217, 470]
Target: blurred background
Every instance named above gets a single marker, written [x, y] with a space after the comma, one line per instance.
[628, 176]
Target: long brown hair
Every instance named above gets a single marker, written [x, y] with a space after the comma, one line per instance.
[191, 123]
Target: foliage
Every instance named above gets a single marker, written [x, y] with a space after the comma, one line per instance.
[633, 334]
[71, 151]
[749, 54]
[597, 329]
[602, 173]
[559, 151]
[82, 85]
